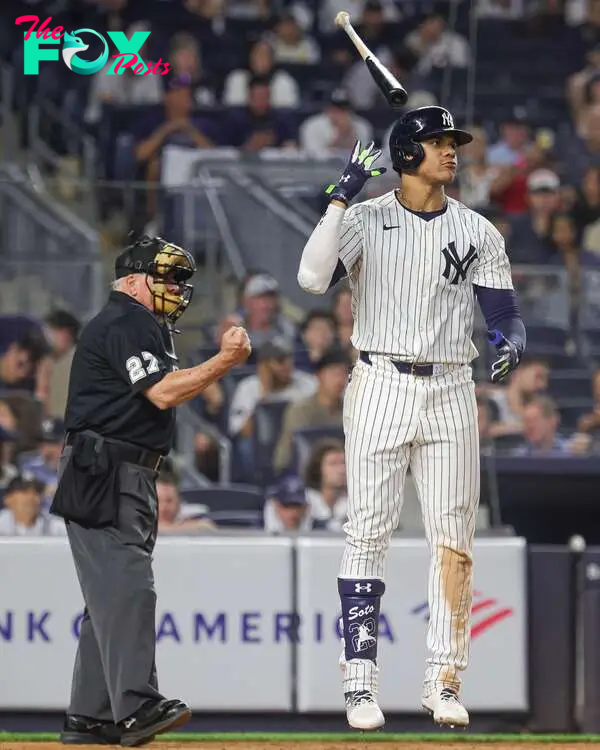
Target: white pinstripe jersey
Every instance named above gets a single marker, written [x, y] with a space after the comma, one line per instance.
[412, 279]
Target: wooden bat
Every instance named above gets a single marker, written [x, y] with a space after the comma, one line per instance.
[391, 88]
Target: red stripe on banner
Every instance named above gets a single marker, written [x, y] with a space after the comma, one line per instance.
[490, 621]
[483, 605]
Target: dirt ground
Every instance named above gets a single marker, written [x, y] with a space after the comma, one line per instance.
[308, 745]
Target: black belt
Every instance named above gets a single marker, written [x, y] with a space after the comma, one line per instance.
[421, 369]
[126, 452]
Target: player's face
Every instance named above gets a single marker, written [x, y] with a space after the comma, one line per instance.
[439, 165]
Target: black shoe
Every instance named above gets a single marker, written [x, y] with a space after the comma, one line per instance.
[80, 730]
[154, 717]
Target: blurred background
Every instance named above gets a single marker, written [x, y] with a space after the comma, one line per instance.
[228, 153]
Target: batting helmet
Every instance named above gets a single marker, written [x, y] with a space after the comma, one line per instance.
[419, 125]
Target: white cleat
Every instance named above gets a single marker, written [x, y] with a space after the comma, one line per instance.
[362, 711]
[446, 708]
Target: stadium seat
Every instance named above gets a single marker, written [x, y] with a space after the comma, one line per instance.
[569, 384]
[233, 505]
[571, 410]
[268, 419]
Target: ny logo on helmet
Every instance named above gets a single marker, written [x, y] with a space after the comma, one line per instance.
[447, 120]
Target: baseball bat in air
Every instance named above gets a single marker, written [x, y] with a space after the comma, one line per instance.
[391, 88]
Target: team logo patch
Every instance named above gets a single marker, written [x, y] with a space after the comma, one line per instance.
[456, 266]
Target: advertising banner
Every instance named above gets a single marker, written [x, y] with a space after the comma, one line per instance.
[496, 679]
[223, 622]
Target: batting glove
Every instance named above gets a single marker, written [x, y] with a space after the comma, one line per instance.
[357, 172]
[509, 356]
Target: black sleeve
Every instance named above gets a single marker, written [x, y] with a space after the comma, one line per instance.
[339, 273]
[135, 349]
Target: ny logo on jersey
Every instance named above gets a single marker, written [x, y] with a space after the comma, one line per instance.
[459, 265]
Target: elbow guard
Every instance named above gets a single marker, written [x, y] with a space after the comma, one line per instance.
[310, 282]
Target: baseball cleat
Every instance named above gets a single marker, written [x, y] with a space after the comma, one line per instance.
[362, 711]
[446, 708]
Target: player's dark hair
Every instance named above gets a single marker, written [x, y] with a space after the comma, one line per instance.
[312, 472]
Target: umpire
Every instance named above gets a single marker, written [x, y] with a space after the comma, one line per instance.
[120, 421]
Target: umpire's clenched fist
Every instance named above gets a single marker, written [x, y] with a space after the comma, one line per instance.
[235, 345]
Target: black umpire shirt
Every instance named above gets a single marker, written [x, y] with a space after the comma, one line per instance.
[121, 352]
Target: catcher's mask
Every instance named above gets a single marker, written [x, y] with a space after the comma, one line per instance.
[168, 268]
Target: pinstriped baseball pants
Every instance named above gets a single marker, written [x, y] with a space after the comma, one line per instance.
[393, 421]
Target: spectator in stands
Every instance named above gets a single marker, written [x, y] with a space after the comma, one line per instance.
[529, 381]
[206, 9]
[565, 240]
[61, 330]
[22, 514]
[530, 232]
[586, 209]
[286, 510]
[335, 130]
[43, 465]
[476, 175]
[185, 60]
[364, 93]
[290, 44]
[317, 335]
[258, 125]
[8, 437]
[515, 140]
[259, 312]
[326, 486]
[177, 126]
[590, 29]
[285, 92]
[344, 320]
[582, 151]
[541, 419]
[175, 517]
[590, 422]
[19, 361]
[275, 380]
[578, 82]
[126, 89]
[436, 45]
[324, 407]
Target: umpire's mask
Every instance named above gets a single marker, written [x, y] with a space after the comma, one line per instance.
[168, 268]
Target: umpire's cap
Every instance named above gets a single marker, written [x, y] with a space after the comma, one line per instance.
[419, 125]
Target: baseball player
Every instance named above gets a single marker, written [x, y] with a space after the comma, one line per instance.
[416, 260]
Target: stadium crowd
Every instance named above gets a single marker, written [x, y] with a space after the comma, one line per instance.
[252, 74]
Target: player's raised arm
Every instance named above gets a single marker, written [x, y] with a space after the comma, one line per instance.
[336, 238]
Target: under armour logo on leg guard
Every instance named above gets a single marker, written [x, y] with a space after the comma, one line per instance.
[360, 601]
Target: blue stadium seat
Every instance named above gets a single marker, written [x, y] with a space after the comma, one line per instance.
[569, 384]
[571, 410]
[234, 505]
[544, 334]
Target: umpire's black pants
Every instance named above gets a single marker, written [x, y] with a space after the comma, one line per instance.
[114, 671]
